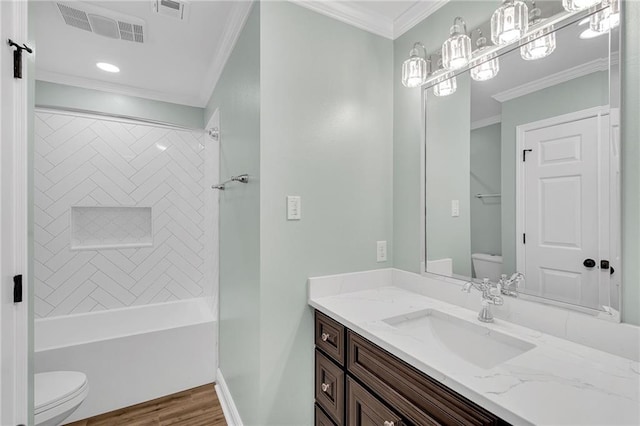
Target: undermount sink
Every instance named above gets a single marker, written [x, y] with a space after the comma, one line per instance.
[472, 342]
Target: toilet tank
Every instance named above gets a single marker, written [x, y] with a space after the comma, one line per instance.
[487, 266]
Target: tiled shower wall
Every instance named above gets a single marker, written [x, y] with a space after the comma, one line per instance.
[83, 160]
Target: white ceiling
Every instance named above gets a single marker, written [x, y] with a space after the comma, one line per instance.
[179, 61]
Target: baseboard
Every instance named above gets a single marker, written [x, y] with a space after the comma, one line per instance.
[229, 408]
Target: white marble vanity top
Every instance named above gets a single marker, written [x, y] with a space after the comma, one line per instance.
[557, 382]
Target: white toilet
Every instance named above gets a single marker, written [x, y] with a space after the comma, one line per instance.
[487, 266]
[57, 395]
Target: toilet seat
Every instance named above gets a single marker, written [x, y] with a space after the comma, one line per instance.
[56, 392]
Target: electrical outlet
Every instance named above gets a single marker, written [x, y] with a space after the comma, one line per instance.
[455, 208]
[381, 251]
[294, 207]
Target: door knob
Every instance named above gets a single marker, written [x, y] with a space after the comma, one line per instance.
[589, 263]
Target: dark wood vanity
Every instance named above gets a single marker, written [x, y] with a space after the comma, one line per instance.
[358, 383]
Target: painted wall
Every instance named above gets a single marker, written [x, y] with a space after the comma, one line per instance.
[448, 177]
[63, 96]
[84, 160]
[326, 135]
[485, 179]
[550, 102]
[237, 96]
[408, 128]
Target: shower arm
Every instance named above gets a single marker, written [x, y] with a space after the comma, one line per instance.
[240, 178]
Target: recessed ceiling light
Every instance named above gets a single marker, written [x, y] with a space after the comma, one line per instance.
[589, 33]
[107, 67]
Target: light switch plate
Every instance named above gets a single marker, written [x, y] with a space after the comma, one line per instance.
[381, 251]
[294, 207]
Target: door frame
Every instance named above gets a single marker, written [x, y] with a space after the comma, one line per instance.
[521, 130]
[15, 324]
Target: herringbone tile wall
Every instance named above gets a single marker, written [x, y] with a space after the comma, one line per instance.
[84, 160]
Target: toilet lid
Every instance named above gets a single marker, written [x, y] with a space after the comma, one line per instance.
[55, 387]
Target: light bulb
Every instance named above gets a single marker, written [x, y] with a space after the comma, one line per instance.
[414, 69]
[578, 5]
[509, 22]
[456, 50]
[447, 86]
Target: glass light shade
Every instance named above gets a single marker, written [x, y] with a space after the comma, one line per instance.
[577, 5]
[456, 50]
[509, 22]
[607, 18]
[446, 87]
[540, 45]
[487, 68]
[414, 69]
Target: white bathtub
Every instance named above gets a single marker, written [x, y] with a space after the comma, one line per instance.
[131, 355]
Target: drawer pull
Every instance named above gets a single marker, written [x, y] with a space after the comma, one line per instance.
[325, 387]
[388, 423]
[325, 336]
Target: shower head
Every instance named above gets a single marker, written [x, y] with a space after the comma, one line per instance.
[214, 133]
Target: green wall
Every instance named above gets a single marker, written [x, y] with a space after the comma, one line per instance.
[550, 102]
[485, 179]
[326, 135]
[63, 96]
[448, 176]
[237, 95]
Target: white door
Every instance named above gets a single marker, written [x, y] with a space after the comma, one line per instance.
[13, 220]
[565, 182]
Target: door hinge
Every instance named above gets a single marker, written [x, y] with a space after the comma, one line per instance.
[17, 57]
[524, 154]
[524, 238]
[17, 289]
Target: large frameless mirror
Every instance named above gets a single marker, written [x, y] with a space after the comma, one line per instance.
[523, 168]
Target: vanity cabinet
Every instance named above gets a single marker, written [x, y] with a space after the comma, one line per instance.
[360, 384]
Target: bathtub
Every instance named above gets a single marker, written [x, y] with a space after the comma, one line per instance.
[131, 355]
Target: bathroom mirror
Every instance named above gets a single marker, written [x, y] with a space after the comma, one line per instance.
[522, 172]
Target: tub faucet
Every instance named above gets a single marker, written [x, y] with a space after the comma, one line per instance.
[509, 286]
[490, 296]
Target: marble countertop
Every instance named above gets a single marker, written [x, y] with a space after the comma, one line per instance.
[558, 382]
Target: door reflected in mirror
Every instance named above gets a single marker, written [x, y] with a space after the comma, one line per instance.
[523, 173]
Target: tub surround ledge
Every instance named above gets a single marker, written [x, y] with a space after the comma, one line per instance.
[556, 382]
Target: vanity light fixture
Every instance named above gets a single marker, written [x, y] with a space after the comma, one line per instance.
[542, 43]
[456, 50]
[509, 22]
[446, 86]
[609, 17]
[487, 66]
[578, 5]
[414, 69]
[104, 66]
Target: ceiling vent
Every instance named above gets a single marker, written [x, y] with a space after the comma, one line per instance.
[104, 22]
[176, 9]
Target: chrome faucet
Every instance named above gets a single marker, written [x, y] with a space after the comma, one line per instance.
[490, 296]
[509, 286]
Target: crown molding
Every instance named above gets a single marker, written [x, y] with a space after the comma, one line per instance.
[414, 15]
[120, 89]
[232, 31]
[600, 64]
[484, 122]
[349, 13]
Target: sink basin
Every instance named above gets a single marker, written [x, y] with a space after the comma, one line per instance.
[472, 342]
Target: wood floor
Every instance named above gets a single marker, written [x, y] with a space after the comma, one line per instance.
[195, 407]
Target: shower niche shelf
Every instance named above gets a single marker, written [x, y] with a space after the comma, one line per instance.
[98, 227]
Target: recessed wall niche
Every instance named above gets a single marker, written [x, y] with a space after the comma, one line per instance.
[94, 228]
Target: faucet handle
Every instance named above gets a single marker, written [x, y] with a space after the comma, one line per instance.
[467, 287]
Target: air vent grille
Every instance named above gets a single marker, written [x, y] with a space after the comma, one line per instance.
[103, 22]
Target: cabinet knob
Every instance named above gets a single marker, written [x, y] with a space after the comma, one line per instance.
[325, 336]
[325, 387]
[389, 423]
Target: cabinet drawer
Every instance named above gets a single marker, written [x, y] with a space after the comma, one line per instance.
[363, 409]
[329, 388]
[418, 398]
[330, 337]
[321, 418]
